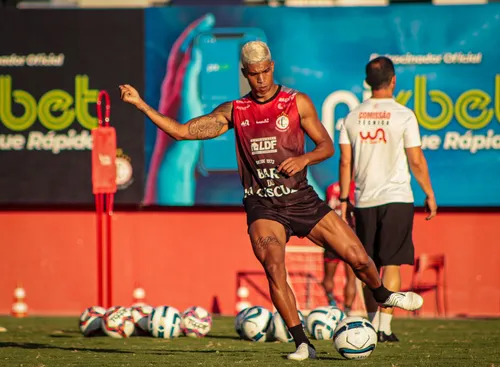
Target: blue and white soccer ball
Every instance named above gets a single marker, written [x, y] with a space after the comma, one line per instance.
[278, 329]
[355, 338]
[239, 320]
[164, 322]
[196, 322]
[322, 321]
[255, 323]
[91, 321]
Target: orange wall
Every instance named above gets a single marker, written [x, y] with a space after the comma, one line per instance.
[183, 258]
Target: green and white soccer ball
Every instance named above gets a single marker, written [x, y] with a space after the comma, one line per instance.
[164, 322]
[355, 338]
[322, 321]
[255, 323]
[278, 329]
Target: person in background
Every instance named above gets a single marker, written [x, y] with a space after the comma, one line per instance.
[332, 260]
[378, 141]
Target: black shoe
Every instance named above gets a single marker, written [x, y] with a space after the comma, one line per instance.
[383, 337]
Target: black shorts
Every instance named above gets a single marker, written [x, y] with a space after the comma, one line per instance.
[330, 256]
[298, 219]
[386, 233]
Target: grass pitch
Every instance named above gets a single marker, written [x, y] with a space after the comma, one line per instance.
[56, 342]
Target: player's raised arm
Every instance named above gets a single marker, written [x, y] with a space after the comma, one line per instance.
[204, 127]
[315, 129]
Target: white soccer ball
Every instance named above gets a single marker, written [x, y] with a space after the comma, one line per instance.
[239, 320]
[322, 321]
[255, 323]
[164, 322]
[278, 329]
[117, 322]
[140, 315]
[355, 338]
[91, 321]
[196, 322]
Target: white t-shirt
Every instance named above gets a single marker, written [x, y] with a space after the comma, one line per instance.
[379, 130]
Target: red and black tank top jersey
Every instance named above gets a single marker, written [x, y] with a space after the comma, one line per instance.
[267, 133]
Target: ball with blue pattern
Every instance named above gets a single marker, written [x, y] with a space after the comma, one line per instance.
[355, 338]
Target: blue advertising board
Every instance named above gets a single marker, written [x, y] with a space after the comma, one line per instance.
[447, 66]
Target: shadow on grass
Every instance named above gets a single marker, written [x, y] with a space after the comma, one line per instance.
[320, 357]
[231, 337]
[48, 346]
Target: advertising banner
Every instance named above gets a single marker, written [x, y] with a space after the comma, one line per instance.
[447, 71]
[53, 63]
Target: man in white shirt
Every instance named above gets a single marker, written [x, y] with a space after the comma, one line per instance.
[379, 139]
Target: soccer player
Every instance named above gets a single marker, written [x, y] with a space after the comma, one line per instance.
[331, 259]
[270, 124]
[380, 138]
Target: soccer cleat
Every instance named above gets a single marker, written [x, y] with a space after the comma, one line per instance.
[303, 352]
[408, 301]
[383, 337]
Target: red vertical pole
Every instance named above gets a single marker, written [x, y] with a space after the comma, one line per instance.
[104, 206]
[98, 208]
[109, 211]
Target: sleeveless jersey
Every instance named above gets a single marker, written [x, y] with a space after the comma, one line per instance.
[267, 133]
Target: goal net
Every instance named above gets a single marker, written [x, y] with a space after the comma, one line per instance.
[305, 269]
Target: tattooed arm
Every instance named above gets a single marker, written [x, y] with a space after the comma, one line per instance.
[204, 127]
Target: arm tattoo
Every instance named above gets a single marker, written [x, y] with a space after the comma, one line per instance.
[263, 243]
[205, 127]
[210, 126]
[147, 109]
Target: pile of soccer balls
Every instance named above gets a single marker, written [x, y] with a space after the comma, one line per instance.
[160, 322]
[353, 337]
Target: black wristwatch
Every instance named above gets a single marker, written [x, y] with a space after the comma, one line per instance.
[344, 200]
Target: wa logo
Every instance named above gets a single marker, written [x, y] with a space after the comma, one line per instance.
[373, 137]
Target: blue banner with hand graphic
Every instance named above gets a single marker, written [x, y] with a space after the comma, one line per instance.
[447, 69]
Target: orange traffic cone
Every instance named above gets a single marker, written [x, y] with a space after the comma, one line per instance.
[19, 307]
[139, 295]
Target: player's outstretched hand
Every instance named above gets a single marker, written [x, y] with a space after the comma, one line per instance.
[347, 213]
[292, 165]
[430, 207]
[130, 95]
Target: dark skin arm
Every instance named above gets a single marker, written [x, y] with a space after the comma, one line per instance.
[345, 173]
[318, 134]
[204, 127]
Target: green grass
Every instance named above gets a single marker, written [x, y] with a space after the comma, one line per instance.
[57, 342]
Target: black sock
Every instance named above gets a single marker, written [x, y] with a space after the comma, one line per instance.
[381, 294]
[298, 335]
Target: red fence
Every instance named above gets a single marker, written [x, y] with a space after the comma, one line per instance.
[182, 259]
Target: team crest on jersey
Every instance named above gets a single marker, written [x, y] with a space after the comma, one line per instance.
[282, 122]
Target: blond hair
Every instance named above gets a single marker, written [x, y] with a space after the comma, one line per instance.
[253, 52]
